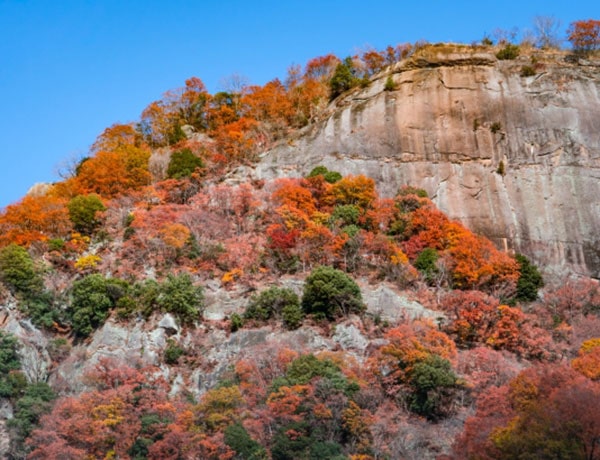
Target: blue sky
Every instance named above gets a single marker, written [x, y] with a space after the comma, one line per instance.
[69, 69]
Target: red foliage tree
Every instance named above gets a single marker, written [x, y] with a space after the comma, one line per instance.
[584, 35]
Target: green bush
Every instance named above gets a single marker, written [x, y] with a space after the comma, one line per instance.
[17, 271]
[297, 446]
[426, 263]
[332, 293]
[83, 212]
[183, 163]
[56, 244]
[270, 303]
[305, 368]
[128, 233]
[343, 78]
[346, 214]
[36, 401]
[92, 298]
[126, 306]
[330, 176]
[236, 322]
[40, 308]
[180, 297]
[527, 71]
[292, 315]
[389, 84]
[173, 352]
[530, 280]
[501, 168]
[238, 439]
[59, 348]
[146, 295]
[433, 385]
[10, 365]
[510, 51]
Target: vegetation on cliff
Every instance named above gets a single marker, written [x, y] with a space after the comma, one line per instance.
[149, 219]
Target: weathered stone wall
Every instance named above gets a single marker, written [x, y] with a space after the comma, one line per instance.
[453, 118]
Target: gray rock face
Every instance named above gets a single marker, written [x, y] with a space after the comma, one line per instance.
[35, 360]
[350, 338]
[141, 344]
[447, 127]
[389, 305]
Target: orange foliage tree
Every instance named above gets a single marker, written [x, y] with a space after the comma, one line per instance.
[34, 218]
[547, 411]
[111, 173]
[588, 361]
[584, 35]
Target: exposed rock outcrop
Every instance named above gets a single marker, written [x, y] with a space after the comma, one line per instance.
[457, 115]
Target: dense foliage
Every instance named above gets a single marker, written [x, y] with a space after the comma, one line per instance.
[331, 293]
[83, 212]
[151, 224]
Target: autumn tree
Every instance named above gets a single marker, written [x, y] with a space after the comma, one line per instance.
[573, 298]
[116, 137]
[584, 35]
[125, 414]
[588, 359]
[162, 121]
[34, 218]
[545, 412]
[414, 366]
[270, 105]
[321, 68]
[113, 172]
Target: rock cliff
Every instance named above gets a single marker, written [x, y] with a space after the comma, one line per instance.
[516, 158]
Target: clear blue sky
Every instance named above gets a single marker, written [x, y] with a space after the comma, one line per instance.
[69, 69]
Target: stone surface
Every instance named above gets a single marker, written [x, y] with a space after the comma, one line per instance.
[350, 338]
[139, 344]
[452, 119]
[169, 324]
[35, 360]
[388, 305]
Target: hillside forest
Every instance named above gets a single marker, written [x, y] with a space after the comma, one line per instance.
[499, 362]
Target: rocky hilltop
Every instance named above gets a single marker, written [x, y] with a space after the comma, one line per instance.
[509, 147]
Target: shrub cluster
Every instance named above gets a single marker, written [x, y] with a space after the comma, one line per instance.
[331, 293]
[183, 163]
[93, 297]
[509, 52]
[276, 303]
[20, 275]
[328, 294]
